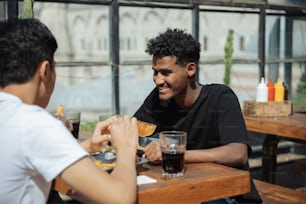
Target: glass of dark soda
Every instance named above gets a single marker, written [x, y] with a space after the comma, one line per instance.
[74, 117]
[173, 147]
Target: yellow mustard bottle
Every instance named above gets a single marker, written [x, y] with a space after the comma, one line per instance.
[279, 91]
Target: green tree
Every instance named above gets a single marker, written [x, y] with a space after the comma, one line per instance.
[28, 9]
[228, 51]
[301, 89]
[299, 101]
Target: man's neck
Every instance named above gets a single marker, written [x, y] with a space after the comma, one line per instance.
[26, 92]
[190, 97]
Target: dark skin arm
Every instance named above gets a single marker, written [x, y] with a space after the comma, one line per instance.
[232, 154]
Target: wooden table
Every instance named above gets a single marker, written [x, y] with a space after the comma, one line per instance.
[290, 128]
[201, 182]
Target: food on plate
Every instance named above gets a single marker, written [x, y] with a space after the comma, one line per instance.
[102, 165]
[140, 147]
[107, 148]
[59, 110]
[145, 129]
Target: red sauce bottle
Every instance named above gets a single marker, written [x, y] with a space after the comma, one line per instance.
[271, 90]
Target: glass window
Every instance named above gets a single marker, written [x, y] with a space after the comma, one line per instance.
[214, 27]
[84, 73]
[83, 76]
[285, 51]
[139, 24]
[136, 83]
[299, 66]
[3, 10]
[299, 38]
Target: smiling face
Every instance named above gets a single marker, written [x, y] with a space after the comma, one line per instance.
[171, 79]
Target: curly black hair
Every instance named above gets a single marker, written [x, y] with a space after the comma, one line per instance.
[175, 42]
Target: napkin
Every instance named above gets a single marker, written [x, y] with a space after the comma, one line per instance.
[142, 179]
[64, 197]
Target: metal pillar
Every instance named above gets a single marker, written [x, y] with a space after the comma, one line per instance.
[261, 42]
[12, 9]
[114, 55]
[288, 54]
[195, 29]
[274, 51]
[269, 158]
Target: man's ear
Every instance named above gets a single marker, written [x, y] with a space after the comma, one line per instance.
[44, 69]
[191, 69]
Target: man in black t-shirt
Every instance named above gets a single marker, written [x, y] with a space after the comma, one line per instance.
[210, 114]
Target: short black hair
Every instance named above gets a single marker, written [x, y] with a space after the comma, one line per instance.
[175, 42]
[24, 44]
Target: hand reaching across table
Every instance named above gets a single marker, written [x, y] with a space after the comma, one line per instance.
[102, 134]
[60, 115]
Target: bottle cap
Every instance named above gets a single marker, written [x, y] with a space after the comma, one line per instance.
[278, 83]
[262, 82]
[270, 84]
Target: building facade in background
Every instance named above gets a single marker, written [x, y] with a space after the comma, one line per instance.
[83, 58]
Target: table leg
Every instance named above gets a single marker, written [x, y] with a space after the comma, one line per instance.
[269, 158]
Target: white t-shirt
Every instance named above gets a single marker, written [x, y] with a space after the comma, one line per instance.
[34, 148]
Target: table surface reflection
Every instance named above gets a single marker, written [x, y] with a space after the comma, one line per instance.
[201, 182]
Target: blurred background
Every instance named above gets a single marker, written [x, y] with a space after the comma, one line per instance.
[102, 68]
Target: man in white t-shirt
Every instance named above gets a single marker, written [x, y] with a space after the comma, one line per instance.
[35, 147]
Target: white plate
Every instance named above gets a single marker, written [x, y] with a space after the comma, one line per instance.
[110, 157]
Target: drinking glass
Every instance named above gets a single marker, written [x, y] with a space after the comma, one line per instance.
[74, 117]
[173, 147]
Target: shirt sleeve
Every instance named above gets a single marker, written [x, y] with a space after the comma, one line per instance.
[231, 123]
[49, 147]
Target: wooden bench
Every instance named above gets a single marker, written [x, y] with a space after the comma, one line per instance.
[275, 194]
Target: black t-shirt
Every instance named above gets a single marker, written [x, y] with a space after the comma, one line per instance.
[215, 119]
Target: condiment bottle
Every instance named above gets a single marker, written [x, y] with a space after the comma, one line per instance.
[262, 91]
[271, 90]
[279, 91]
[285, 91]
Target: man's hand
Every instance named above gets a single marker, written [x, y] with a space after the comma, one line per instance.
[124, 133]
[66, 122]
[60, 115]
[153, 152]
[99, 138]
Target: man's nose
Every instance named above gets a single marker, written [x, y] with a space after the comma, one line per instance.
[159, 79]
